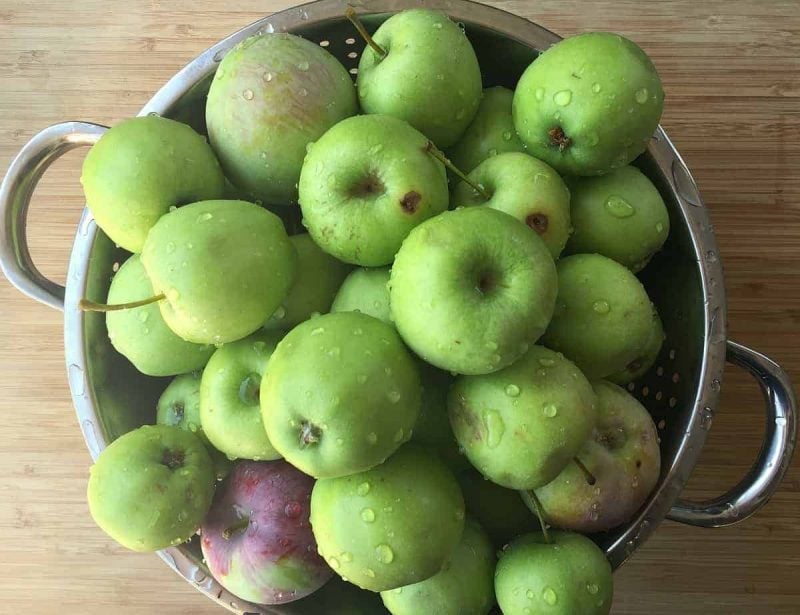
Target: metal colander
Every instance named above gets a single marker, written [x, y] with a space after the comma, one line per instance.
[684, 280]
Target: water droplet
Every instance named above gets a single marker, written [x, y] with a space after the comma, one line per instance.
[562, 98]
[317, 331]
[369, 572]
[619, 207]
[394, 396]
[384, 554]
[303, 65]
[512, 390]
[461, 113]
[372, 437]
[144, 315]
[641, 96]
[363, 489]
[334, 351]
[706, 417]
[549, 410]
[601, 307]
[247, 94]
[495, 428]
[398, 436]
[388, 509]
[361, 378]
[539, 93]
[529, 595]
[303, 92]
[715, 385]
[293, 510]
[346, 557]
[339, 441]
[635, 482]
[592, 588]
[334, 563]
[368, 515]
[173, 294]
[205, 216]
[268, 76]
[437, 25]
[596, 87]
[547, 362]
[549, 596]
[711, 256]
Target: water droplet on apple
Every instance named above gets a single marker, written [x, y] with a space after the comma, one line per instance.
[601, 307]
[549, 596]
[539, 93]
[512, 390]
[361, 378]
[384, 554]
[334, 351]
[248, 94]
[529, 594]
[527, 611]
[388, 509]
[495, 428]
[562, 98]
[596, 87]
[394, 397]
[205, 216]
[303, 66]
[293, 510]
[659, 227]
[549, 410]
[334, 563]
[399, 590]
[363, 489]
[303, 92]
[547, 362]
[461, 113]
[437, 25]
[317, 331]
[346, 557]
[372, 437]
[641, 96]
[619, 207]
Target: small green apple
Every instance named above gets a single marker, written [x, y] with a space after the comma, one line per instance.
[568, 576]
[428, 75]
[223, 267]
[141, 335]
[271, 96]
[151, 488]
[141, 168]
[464, 586]
[520, 426]
[366, 291]
[230, 410]
[390, 526]
[528, 189]
[365, 184]
[471, 290]
[589, 104]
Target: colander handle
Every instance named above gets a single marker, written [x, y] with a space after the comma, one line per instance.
[763, 479]
[15, 195]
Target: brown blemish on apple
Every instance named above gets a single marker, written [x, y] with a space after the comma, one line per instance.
[558, 138]
[172, 459]
[410, 201]
[538, 222]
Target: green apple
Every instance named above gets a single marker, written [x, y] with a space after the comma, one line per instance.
[179, 406]
[341, 393]
[390, 526]
[568, 576]
[230, 410]
[427, 75]
[365, 184]
[151, 488]
[528, 189]
[520, 426]
[317, 278]
[491, 133]
[589, 104]
[603, 319]
[500, 511]
[366, 291]
[223, 267]
[141, 335]
[620, 215]
[624, 460]
[471, 290]
[271, 96]
[141, 168]
[647, 357]
[464, 586]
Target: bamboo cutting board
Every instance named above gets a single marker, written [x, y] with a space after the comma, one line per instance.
[731, 70]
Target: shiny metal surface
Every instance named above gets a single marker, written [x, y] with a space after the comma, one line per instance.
[685, 281]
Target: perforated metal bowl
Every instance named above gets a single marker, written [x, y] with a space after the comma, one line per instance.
[684, 280]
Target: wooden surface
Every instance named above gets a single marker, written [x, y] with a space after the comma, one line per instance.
[731, 71]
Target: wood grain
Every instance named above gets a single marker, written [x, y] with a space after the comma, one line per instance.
[732, 75]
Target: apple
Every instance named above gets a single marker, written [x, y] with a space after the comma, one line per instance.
[526, 188]
[491, 132]
[390, 526]
[589, 104]
[365, 184]
[367, 291]
[341, 393]
[151, 488]
[257, 540]
[141, 335]
[565, 576]
[141, 168]
[230, 390]
[271, 96]
[620, 215]
[420, 67]
[471, 290]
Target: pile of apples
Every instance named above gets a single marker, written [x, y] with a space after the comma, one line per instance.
[409, 394]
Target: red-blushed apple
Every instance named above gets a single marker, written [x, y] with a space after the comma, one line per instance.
[257, 539]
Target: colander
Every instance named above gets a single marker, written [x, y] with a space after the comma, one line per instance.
[684, 280]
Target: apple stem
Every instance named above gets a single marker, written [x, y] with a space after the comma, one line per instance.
[532, 500]
[230, 531]
[590, 478]
[350, 13]
[90, 306]
[309, 434]
[439, 155]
